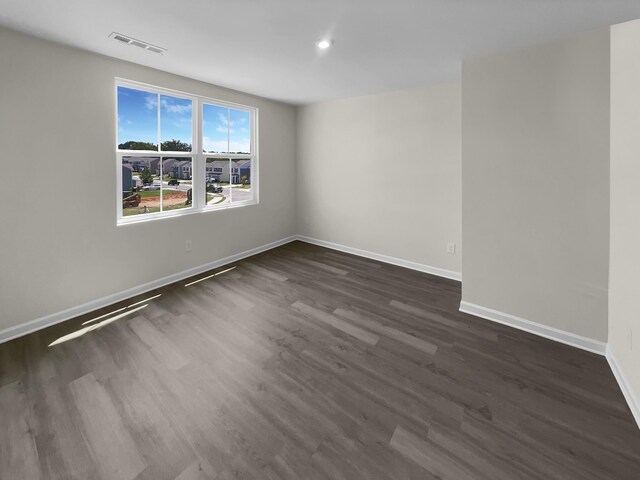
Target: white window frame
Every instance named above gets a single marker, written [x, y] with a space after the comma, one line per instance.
[198, 157]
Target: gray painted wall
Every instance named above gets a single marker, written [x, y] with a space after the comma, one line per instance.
[60, 244]
[624, 274]
[535, 183]
[382, 173]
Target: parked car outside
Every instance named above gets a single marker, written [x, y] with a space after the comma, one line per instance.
[214, 188]
[174, 181]
[151, 187]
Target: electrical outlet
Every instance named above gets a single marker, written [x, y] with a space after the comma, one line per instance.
[451, 248]
[187, 246]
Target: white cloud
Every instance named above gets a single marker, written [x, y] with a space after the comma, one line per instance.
[239, 146]
[224, 120]
[180, 109]
[211, 145]
[151, 101]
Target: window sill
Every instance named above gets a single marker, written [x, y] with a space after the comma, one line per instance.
[152, 217]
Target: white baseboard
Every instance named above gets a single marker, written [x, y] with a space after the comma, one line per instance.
[441, 272]
[48, 320]
[578, 341]
[627, 391]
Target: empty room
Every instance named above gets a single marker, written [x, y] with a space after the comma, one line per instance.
[350, 239]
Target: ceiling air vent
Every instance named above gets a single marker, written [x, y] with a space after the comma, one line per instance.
[120, 38]
[137, 43]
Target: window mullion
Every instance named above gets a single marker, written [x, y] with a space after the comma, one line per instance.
[198, 187]
[159, 122]
[119, 189]
[159, 152]
[230, 180]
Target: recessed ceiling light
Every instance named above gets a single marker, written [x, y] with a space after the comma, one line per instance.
[324, 44]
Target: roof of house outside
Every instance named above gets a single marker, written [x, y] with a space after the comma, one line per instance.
[218, 163]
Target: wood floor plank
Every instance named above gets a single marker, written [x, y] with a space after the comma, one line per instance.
[393, 333]
[337, 323]
[160, 344]
[113, 450]
[265, 272]
[62, 451]
[419, 312]
[429, 456]
[323, 266]
[18, 451]
[197, 471]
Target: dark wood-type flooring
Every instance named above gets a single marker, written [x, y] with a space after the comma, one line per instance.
[306, 363]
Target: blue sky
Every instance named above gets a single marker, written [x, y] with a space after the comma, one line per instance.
[224, 129]
[138, 117]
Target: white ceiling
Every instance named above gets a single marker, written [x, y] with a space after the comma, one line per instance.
[267, 47]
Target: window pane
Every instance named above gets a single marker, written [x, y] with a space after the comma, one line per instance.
[140, 185]
[176, 125]
[239, 131]
[240, 180]
[177, 182]
[215, 129]
[217, 178]
[137, 119]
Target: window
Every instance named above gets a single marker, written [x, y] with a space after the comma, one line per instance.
[179, 153]
[227, 143]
